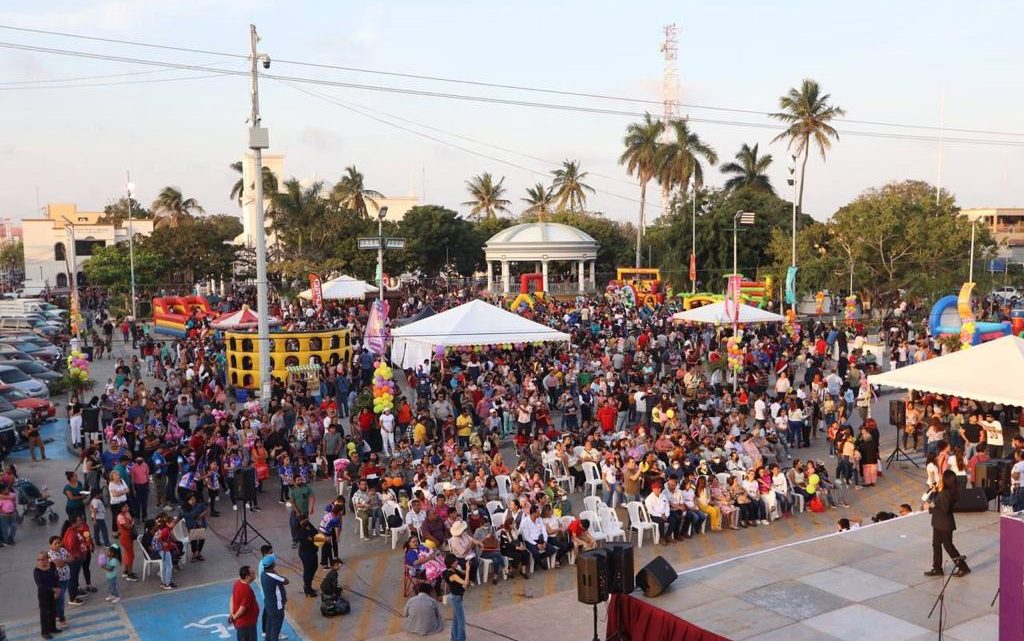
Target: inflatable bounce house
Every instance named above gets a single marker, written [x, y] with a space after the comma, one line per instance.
[953, 316]
[637, 286]
[287, 350]
[170, 313]
[755, 293]
[526, 297]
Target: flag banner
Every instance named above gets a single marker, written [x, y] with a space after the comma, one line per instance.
[732, 297]
[693, 268]
[376, 329]
[791, 286]
[316, 292]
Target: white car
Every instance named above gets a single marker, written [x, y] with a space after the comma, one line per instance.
[1007, 292]
[16, 378]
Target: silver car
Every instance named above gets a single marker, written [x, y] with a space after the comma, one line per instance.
[16, 378]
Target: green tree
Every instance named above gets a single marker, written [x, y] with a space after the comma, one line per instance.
[641, 158]
[540, 201]
[12, 256]
[568, 186]
[109, 266]
[269, 183]
[807, 113]
[297, 216]
[679, 159]
[116, 212]
[613, 238]
[196, 249]
[351, 192]
[486, 196]
[436, 237]
[749, 170]
[172, 209]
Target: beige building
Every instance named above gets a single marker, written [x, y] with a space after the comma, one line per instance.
[48, 241]
[273, 162]
[1006, 225]
[397, 206]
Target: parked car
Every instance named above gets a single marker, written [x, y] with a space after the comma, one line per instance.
[17, 356]
[8, 437]
[19, 416]
[1006, 293]
[50, 353]
[36, 370]
[15, 377]
[41, 408]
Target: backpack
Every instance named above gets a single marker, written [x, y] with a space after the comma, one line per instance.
[394, 521]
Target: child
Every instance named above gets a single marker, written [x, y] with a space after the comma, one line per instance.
[113, 569]
[98, 512]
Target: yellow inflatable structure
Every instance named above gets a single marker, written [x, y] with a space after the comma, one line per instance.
[525, 299]
[287, 349]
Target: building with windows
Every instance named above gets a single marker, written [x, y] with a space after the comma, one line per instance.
[48, 255]
[1006, 225]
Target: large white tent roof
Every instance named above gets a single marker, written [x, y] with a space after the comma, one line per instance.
[718, 314]
[991, 372]
[342, 288]
[474, 323]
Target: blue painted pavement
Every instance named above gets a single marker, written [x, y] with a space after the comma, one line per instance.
[103, 624]
[54, 434]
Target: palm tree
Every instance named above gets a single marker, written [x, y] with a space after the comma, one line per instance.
[350, 192]
[297, 212]
[749, 171]
[568, 186]
[170, 208]
[641, 158]
[807, 112]
[269, 183]
[540, 199]
[679, 160]
[486, 196]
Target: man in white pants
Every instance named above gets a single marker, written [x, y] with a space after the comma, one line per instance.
[387, 432]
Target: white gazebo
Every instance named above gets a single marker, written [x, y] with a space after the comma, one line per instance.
[539, 245]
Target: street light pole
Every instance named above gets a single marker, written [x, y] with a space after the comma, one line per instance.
[259, 140]
[693, 235]
[129, 187]
[792, 259]
[76, 309]
[380, 251]
[970, 269]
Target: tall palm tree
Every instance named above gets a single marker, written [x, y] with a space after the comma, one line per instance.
[297, 212]
[540, 199]
[641, 158]
[749, 171]
[679, 160]
[486, 196]
[568, 186]
[807, 113]
[171, 208]
[350, 192]
[238, 189]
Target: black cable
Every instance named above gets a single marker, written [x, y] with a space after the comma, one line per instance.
[492, 85]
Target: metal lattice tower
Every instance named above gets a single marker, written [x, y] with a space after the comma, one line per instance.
[670, 93]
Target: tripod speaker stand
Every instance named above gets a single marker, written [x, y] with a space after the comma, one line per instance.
[245, 478]
[898, 419]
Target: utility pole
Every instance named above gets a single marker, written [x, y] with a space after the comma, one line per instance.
[669, 98]
[259, 139]
[129, 188]
[792, 261]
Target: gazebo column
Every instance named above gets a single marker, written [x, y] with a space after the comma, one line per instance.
[504, 277]
[490, 277]
[593, 274]
[544, 274]
[581, 271]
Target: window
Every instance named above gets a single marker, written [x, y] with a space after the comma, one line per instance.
[316, 344]
[334, 358]
[232, 346]
[234, 378]
[233, 362]
[247, 380]
[247, 362]
[335, 341]
[315, 360]
[88, 246]
[247, 345]
[291, 345]
[59, 253]
[62, 280]
[291, 361]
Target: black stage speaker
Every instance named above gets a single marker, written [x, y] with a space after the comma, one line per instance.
[656, 576]
[90, 420]
[592, 577]
[993, 476]
[972, 500]
[897, 413]
[620, 567]
[245, 483]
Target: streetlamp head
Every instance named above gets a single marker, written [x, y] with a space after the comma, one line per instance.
[382, 213]
[130, 187]
[746, 217]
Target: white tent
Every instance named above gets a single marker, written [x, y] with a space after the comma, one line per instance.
[341, 288]
[717, 314]
[991, 372]
[475, 323]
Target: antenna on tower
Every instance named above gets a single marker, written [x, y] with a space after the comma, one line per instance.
[670, 94]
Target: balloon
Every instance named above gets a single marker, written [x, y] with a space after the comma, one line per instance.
[439, 351]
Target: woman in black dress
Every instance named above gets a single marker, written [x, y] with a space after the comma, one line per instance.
[941, 504]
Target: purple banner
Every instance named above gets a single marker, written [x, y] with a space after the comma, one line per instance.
[1011, 579]
[376, 328]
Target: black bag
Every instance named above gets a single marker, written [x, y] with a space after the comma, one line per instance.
[394, 521]
[334, 608]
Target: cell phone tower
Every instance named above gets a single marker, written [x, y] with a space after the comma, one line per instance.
[670, 94]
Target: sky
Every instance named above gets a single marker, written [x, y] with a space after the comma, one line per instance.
[921, 63]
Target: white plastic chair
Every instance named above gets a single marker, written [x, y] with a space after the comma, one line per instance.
[595, 525]
[593, 503]
[504, 486]
[640, 521]
[723, 478]
[148, 560]
[593, 477]
[180, 532]
[394, 508]
[494, 506]
[610, 524]
[561, 475]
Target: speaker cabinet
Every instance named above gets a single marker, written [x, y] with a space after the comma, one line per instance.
[592, 577]
[993, 476]
[656, 576]
[972, 500]
[620, 567]
[897, 413]
[245, 484]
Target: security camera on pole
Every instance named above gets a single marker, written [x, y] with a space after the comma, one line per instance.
[259, 139]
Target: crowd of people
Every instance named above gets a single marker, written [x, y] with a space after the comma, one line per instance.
[489, 455]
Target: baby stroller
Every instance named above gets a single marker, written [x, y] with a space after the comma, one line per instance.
[36, 504]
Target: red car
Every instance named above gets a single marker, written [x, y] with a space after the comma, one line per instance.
[41, 408]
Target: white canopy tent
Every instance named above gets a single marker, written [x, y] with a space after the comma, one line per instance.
[342, 288]
[475, 323]
[718, 314]
[991, 372]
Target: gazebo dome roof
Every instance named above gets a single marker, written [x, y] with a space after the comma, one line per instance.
[540, 234]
